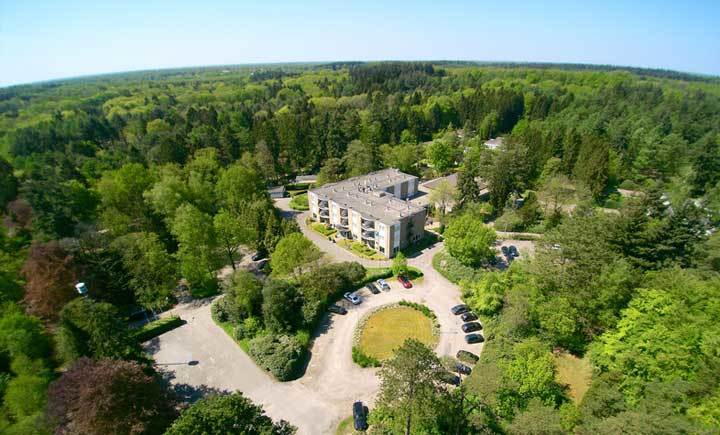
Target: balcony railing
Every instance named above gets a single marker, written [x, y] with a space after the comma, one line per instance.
[323, 204]
[324, 212]
[368, 225]
[344, 223]
[369, 235]
[343, 212]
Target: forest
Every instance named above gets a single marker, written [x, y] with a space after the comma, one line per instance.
[143, 185]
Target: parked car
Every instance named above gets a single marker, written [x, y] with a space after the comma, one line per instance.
[404, 281]
[459, 309]
[513, 251]
[504, 250]
[373, 289]
[468, 317]
[471, 327]
[452, 379]
[337, 309]
[462, 369]
[359, 416]
[474, 338]
[464, 355]
[382, 284]
[259, 255]
[353, 298]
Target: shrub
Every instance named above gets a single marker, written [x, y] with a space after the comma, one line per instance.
[419, 307]
[157, 327]
[363, 360]
[281, 355]
[323, 229]
[453, 270]
[485, 296]
[399, 264]
[218, 311]
[376, 273]
[249, 328]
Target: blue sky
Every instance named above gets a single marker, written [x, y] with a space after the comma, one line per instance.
[47, 39]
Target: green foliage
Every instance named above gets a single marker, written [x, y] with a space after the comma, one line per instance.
[399, 264]
[419, 307]
[215, 414]
[469, 240]
[292, 253]
[95, 329]
[453, 270]
[323, 229]
[363, 360]
[281, 355]
[197, 253]
[673, 312]
[485, 293]
[243, 296]
[157, 327]
[280, 306]
[441, 154]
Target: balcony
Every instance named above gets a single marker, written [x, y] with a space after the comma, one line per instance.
[368, 224]
[324, 212]
[368, 235]
[344, 223]
[343, 212]
[323, 204]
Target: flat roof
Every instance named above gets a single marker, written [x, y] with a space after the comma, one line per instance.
[366, 195]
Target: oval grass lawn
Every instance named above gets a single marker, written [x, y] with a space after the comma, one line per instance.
[387, 329]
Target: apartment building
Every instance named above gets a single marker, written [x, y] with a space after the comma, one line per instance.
[373, 209]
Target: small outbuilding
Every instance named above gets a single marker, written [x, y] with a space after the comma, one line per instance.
[277, 192]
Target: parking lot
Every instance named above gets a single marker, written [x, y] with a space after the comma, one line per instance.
[323, 396]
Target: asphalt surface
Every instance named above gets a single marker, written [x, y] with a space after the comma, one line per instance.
[200, 356]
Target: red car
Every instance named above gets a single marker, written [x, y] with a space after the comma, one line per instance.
[404, 281]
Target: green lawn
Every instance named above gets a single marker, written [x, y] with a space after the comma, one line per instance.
[346, 427]
[574, 372]
[299, 202]
[323, 229]
[387, 329]
[360, 249]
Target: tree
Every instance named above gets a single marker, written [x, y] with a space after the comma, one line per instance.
[469, 240]
[152, 269]
[95, 329]
[537, 419]
[331, 172]
[280, 306]
[109, 396]
[411, 382]
[197, 252]
[238, 186]
[291, 253]
[231, 233]
[121, 198]
[441, 155]
[281, 355]
[219, 414]
[557, 193]
[360, 158]
[467, 186]
[243, 296]
[404, 157]
[50, 275]
[8, 183]
[399, 265]
[442, 197]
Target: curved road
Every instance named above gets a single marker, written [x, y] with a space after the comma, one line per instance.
[323, 396]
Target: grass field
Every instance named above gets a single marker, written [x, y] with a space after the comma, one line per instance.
[574, 372]
[360, 250]
[299, 202]
[323, 229]
[387, 329]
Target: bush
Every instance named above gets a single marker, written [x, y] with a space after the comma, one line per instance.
[157, 327]
[419, 307]
[376, 273]
[363, 360]
[453, 270]
[281, 355]
[323, 229]
[218, 312]
[469, 240]
[248, 328]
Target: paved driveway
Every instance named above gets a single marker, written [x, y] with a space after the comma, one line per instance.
[323, 396]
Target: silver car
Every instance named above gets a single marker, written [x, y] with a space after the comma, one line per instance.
[382, 284]
[353, 298]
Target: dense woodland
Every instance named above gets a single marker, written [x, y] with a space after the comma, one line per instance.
[135, 183]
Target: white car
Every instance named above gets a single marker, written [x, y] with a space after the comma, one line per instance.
[382, 284]
[352, 297]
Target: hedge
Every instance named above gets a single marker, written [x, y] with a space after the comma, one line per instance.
[157, 327]
[363, 360]
[419, 307]
[281, 355]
